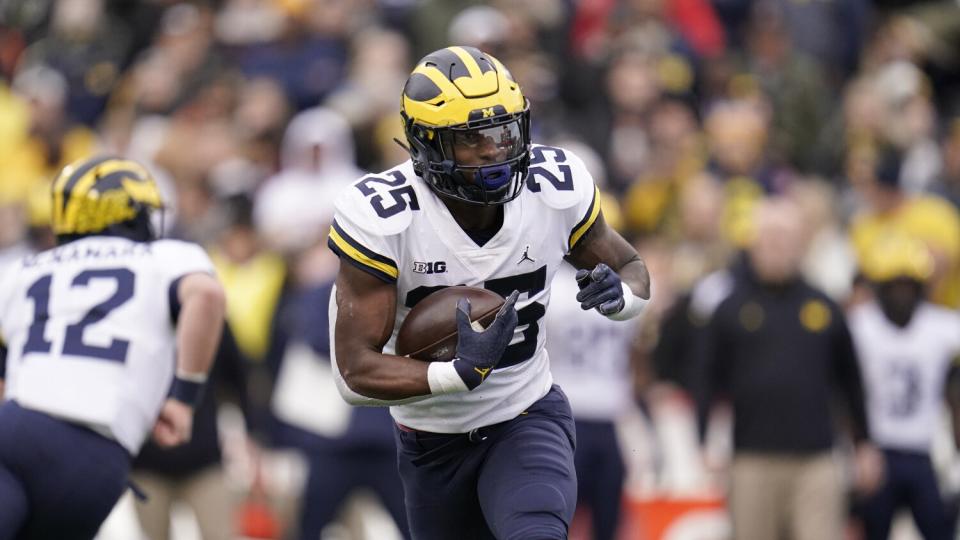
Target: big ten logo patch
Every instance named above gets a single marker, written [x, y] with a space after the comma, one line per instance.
[436, 267]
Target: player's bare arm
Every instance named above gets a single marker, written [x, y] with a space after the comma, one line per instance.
[199, 325]
[200, 322]
[366, 308]
[365, 320]
[610, 272]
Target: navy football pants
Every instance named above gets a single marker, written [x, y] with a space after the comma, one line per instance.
[57, 480]
[600, 475]
[511, 481]
[910, 481]
[335, 473]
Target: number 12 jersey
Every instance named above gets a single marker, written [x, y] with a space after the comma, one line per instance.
[89, 331]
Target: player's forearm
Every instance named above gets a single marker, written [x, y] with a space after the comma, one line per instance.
[2, 388]
[635, 275]
[199, 325]
[383, 377]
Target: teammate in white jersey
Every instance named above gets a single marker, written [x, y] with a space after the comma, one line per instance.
[486, 441]
[590, 358]
[108, 337]
[906, 347]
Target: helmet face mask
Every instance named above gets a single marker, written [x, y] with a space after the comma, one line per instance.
[469, 136]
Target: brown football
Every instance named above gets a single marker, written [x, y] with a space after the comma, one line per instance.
[429, 332]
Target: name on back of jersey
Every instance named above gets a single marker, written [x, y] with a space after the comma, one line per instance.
[76, 251]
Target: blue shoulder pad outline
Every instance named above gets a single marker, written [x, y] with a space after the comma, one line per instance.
[558, 177]
[381, 204]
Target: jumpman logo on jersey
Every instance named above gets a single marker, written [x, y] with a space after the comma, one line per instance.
[526, 256]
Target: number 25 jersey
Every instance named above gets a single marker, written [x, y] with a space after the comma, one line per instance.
[393, 226]
[90, 334]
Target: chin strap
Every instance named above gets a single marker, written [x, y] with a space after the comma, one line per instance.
[405, 147]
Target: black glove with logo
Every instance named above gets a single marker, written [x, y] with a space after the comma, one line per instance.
[478, 352]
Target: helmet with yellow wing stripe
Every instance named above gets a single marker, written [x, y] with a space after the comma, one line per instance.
[107, 196]
[897, 255]
[467, 125]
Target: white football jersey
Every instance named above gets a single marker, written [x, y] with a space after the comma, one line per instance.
[589, 353]
[904, 371]
[89, 333]
[395, 227]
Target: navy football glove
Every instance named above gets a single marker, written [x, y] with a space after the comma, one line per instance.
[600, 288]
[479, 352]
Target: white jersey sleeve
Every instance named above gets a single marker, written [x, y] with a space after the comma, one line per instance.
[369, 215]
[565, 184]
[182, 258]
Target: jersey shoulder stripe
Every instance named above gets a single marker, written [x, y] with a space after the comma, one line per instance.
[589, 218]
[352, 251]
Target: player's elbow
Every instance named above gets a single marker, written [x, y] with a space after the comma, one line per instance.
[353, 382]
[351, 387]
[347, 376]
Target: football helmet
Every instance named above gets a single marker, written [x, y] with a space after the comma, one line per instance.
[896, 256]
[108, 196]
[458, 101]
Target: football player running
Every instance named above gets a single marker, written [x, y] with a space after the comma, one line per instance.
[485, 442]
[108, 337]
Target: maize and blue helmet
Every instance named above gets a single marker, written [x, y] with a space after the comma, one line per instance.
[107, 196]
[461, 96]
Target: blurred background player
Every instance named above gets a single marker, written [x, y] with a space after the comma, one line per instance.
[907, 348]
[109, 338]
[347, 449]
[590, 360]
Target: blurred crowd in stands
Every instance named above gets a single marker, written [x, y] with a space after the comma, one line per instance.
[842, 114]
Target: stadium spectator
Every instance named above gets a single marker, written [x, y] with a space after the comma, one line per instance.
[779, 349]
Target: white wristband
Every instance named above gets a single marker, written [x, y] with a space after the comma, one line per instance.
[632, 305]
[444, 379]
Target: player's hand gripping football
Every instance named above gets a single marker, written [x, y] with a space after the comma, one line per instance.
[600, 288]
[174, 425]
[478, 352]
